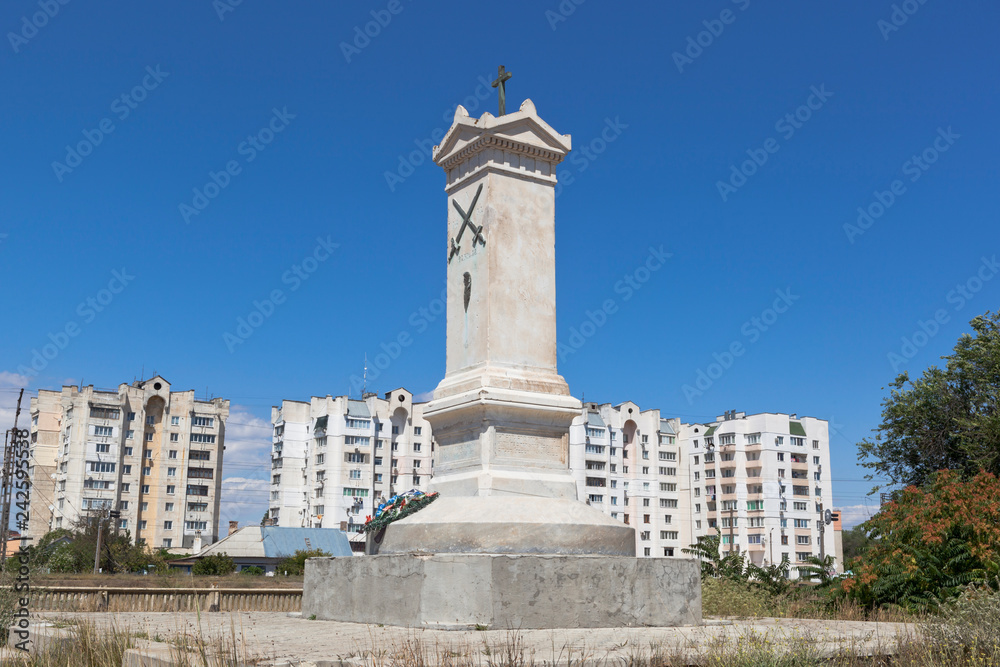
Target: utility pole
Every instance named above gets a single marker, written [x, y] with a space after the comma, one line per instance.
[770, 544]
[97, 551]
[732, 544]
[822, 532]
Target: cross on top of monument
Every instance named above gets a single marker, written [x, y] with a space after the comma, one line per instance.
[501, 81]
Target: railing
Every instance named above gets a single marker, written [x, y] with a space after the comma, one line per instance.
[124, 599]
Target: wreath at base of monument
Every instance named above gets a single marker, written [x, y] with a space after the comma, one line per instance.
[398, 507]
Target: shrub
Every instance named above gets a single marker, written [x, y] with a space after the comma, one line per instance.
[296, 564]
[253, 571]
[215, 564]
[63, 560]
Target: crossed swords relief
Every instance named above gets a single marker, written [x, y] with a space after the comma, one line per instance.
[467, 221]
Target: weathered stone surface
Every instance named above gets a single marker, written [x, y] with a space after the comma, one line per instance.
[509, 525]
[453, 591]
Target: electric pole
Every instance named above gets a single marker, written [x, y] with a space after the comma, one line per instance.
[822, 532]
[732, 527]
[97, 551]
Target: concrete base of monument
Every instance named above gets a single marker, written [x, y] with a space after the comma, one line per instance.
[461, 591]
[509, 525]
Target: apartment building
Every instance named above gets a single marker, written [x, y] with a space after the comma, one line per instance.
[334, 459]
[153, 454]
[763, 481]
[628, 463]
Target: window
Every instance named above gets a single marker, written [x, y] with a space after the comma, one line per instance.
[395, 430]
[819, 491]
[320, 458]
[803, 539]
[799, 506]
[645, 518]
[417, 430]
[416, 479]
[359, 493]
[755, 522]
[201, 455]
[816, 477]
[104, 413]
[595, 449]
[753, 438]
[149, 436]
[126, 470]
[103, 431]
[378, 477]
[753, 539]
[359, 440]
[668, 518]
[596, 498]
[362, 423]
[802, 556]
[105, 448]
[175, 421]
[353, 457]
[125, 489]
[781, 473]
[131, 416]
[669, 534]
[201, 421]
[149, 420]
[168, 507]
[798, 442]
[781, 456]
[205, 438]
[416, 464]
[645, 454]
[168, 525]
[129, 435]
[668, 552]
[670, 472]
[200, 473]
[197, 507]
[755, 505]
[784, 540]
[123, 524]
[416, 446]
[815, 444]
[170, 489]
[142, 525]
[96, 484]
[147, 470]
[668, 486]
[671, 456]
[144, 506]
[355, 474]
[645, 470]
[195, 525]
[800, 490]
[174, 437]
[193, 490]
[779, 439]
[100, 466]
[378, 460]
[668, 502]
[727, 439]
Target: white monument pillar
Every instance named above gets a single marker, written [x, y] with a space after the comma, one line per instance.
[501, 414]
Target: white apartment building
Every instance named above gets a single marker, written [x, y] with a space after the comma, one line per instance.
[334, 458]
[151, 453]
[628, 463]
[764, 482]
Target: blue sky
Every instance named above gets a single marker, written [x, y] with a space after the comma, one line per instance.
[323, 131]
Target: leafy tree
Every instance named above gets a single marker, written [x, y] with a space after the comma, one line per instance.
[214, 564]
[821, 569]
[947, 419]
[928, 544]
[772, 578]
[64, 560]
[296, 564]
[253, 570]
[855, 542]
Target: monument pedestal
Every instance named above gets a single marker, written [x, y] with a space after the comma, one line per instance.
[461, 591]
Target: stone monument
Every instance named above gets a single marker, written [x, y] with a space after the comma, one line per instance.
[507, 543]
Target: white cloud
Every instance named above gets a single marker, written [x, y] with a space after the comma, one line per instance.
[423, 397]
[852, 515]
[12, 380]
[246, 468]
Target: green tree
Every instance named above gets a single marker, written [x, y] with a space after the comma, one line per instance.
[947, 419]
[855, 542]
[929, 544]
[214, 564]
[818, 569]
[253, 570]
[296, 564]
